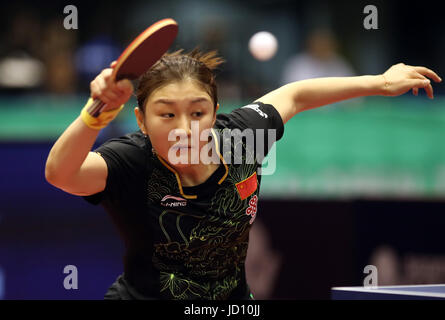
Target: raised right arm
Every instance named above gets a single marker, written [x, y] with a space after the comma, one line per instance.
[71, 166]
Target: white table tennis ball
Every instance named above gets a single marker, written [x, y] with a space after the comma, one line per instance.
[263, 45]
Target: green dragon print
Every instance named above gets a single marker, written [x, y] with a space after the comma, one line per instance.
[207, 261]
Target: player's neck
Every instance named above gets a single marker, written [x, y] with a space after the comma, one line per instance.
[194, 175]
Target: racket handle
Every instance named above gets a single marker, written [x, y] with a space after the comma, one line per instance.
[96, 108]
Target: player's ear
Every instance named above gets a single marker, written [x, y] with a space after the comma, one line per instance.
[140, 119]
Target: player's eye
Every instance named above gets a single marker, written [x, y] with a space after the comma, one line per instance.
[197, 114]
[167, 115]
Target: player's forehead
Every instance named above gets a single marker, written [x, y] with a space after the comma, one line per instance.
[179, 91]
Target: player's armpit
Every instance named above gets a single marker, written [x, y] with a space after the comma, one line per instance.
[90, 179]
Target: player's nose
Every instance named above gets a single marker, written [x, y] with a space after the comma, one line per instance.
[184, 124]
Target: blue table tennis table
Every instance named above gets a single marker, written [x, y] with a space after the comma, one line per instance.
[407, 292]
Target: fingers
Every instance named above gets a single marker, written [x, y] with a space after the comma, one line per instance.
[425, 84]
[428, 72]
[95, 90]
[101, 84]
[429, 91]
[110, 95]
[125, 86]
[420, 74]
[113, 94]
[113, 64]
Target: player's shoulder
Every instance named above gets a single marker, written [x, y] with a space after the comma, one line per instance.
[133, 140]
[131, 148]
[245, 115]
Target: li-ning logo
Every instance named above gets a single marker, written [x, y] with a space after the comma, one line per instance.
[251, 210]
[257, 109]
[171, 201]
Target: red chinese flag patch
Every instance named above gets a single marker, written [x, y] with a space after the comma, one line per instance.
[247, 187]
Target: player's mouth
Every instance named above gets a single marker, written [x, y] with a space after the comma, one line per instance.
[181, 146]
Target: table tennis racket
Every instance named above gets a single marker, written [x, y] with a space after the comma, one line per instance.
[140, 55]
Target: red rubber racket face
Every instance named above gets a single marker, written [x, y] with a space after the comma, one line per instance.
[145, 50]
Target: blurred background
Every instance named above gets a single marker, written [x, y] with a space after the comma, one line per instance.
[356, 183]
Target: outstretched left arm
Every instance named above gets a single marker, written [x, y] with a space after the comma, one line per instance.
[295, 97]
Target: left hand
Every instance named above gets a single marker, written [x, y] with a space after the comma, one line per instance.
[401, 78]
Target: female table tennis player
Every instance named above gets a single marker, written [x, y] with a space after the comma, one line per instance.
[185, 226]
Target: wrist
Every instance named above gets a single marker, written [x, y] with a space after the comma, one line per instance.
[100, 121]
[377, 85]
[384, 86]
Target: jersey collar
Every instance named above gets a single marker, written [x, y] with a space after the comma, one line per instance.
[181, 190]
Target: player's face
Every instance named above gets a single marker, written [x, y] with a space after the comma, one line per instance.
[171, 110]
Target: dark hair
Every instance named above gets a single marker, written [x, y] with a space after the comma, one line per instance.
[178, 66]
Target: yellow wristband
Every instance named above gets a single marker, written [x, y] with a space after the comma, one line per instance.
[102, 120]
